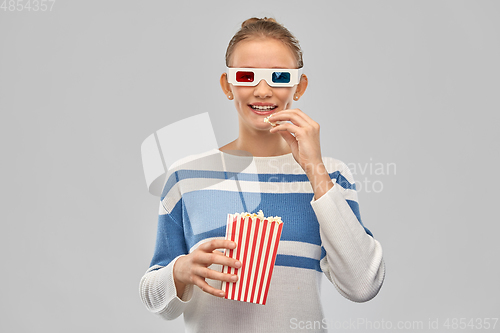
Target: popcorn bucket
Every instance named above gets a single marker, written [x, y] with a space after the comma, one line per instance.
[257, 239]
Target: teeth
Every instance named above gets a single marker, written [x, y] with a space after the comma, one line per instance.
[262, 108]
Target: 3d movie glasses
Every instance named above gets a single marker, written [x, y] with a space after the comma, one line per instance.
[275, 77]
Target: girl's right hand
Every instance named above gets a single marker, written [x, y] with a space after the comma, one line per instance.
[193, 268]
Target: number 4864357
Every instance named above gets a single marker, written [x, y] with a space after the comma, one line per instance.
[27, 5]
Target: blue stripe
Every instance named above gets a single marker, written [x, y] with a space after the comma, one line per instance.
[355, 208]
[176, 214]
[217, 203]
[192, 240]
[261, 177]
[166, 249]
[342, 181]
[299, 262]
[250, 177]
[294, 208]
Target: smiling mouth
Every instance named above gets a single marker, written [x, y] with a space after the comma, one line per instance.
[263, 108]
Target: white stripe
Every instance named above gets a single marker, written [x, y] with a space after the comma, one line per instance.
[252, 292]
[299, 249]
[230, 185]
[172, 197]
[243, 259]
[235, 253]
[196, 184]
[162, 211]
[261, 269]
[267, 269]
[154, 267]
[262, 166]
[226, 269]
[291, 248]
[251, 251]
[349, 194]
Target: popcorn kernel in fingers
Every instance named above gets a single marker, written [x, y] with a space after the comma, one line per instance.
[266, 120]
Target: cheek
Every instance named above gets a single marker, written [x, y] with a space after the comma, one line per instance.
[241, 95]
[286, 96]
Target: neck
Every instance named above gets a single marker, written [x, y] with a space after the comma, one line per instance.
[260, 143]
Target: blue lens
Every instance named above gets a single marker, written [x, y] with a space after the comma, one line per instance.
[281, 77]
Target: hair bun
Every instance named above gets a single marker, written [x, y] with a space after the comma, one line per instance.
[256, 19]
[265, 27]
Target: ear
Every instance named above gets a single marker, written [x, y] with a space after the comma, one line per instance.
[226, 87]
[302, 86]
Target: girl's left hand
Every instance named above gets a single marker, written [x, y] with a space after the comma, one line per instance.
[305, 144]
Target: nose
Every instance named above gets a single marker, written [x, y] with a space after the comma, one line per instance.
[262, 89]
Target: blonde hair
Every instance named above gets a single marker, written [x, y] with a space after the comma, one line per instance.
[255, 28]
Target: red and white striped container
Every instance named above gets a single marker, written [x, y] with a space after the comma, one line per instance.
[257, 239]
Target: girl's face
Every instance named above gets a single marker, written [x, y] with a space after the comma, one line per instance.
[261, 53]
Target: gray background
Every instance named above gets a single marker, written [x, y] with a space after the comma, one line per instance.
[413, 83]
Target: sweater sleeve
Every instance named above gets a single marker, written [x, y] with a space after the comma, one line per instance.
[353, 260]
[157, 287]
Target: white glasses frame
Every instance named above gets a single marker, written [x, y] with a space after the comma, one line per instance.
[264, 74]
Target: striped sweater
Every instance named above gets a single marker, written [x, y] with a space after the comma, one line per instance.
[323, 236]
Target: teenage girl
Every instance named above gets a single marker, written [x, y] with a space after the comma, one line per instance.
[315, 196]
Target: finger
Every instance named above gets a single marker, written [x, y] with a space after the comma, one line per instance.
[289, 115]
[297, 113]
[207, 273]
[289, 138]
[219, 252]
[204, 286]
[304, 116]
[213, 244]
[207, 259]
[291, 128]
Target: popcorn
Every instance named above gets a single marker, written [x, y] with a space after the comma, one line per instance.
[257, 239]
[260, 215]
[266, 120]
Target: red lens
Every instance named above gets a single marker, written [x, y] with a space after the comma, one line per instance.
[244, 76]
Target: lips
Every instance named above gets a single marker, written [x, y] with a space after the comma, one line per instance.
[263, 111]
[263, 107]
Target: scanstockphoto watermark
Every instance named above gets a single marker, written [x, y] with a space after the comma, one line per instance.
[355, 324]
[158, 155]
[27, 5]
[367, 175]
[438, 324]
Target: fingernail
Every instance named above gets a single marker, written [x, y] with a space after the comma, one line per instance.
[221, 293]
[234, 278]
[238, 264]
